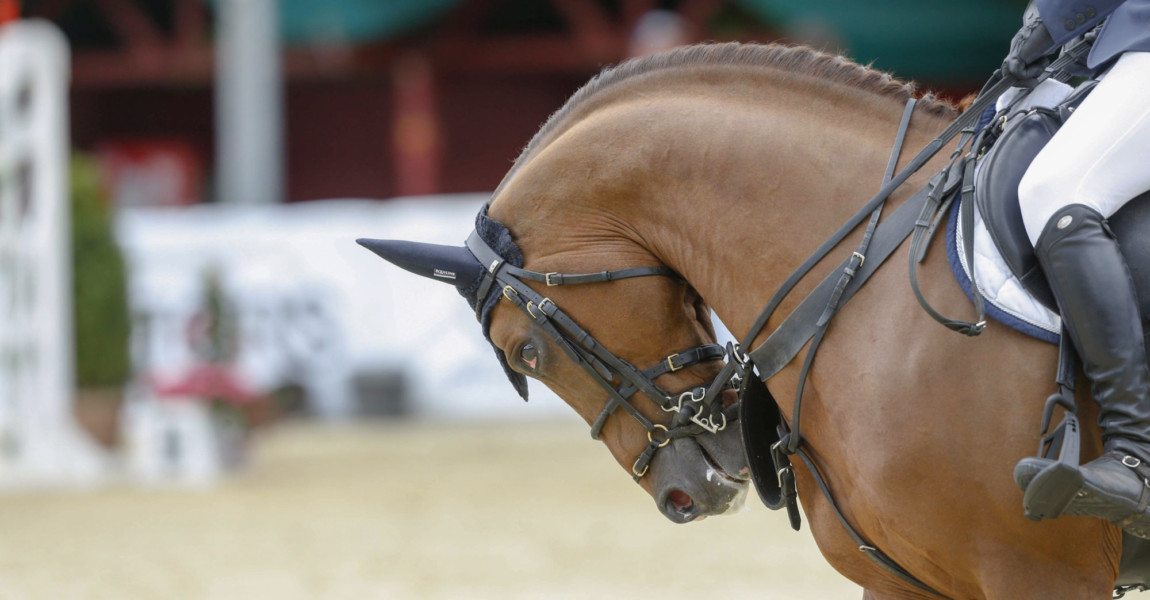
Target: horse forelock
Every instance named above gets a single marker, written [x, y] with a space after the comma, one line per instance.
[794, 60]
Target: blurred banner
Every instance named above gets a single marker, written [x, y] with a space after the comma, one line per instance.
[310, 310]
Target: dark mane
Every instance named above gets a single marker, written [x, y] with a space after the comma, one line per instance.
[792, 59]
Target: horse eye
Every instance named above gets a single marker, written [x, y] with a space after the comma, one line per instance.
[529, 355]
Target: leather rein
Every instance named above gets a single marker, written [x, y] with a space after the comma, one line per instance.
[694, 413]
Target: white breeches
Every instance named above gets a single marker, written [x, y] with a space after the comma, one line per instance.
[1101, 156]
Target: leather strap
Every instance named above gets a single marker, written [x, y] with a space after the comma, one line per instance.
[800, 326]
[554, 279]
[674, 362]
[873, 553]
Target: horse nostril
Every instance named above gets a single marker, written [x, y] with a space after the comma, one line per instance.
[679, 501]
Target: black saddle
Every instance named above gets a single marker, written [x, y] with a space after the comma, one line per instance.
[996, 195]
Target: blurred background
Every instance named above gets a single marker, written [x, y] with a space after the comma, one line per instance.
[207, 390]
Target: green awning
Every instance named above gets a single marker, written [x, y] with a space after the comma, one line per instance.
[357, 20]
[935, 41]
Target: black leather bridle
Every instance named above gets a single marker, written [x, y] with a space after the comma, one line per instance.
[696, 411]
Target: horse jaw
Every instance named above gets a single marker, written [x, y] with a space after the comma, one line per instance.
[698, 477]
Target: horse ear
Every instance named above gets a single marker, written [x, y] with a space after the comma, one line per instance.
[450, 264]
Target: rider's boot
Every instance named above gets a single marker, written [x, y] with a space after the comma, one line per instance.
[1096, 297]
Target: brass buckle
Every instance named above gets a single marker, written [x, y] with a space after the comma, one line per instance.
[862, 259]
[508, 288]
[671, 363]
[547, 279]
[643, 472]
[532, 307]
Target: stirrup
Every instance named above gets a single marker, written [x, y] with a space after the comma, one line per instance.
[1059, 479]
[1051, 490]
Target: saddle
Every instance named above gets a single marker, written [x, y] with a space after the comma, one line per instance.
[996, 196]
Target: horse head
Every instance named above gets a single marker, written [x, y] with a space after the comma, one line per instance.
[622, 339]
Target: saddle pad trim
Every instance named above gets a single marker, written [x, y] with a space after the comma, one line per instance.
[993, 310]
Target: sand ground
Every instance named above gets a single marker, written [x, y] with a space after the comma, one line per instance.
[399, 510]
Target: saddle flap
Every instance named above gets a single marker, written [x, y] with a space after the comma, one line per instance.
[996, 187]
[996, 195]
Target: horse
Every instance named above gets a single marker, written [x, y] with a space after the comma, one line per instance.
[723, 167]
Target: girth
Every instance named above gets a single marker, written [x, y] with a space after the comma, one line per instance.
[694, 410]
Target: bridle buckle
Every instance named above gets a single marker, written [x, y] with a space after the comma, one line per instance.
[671, 363]
[547, 279]
[532, 307]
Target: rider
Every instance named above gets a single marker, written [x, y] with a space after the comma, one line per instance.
[1094, 164]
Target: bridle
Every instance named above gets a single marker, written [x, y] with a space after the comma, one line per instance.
[696, 411]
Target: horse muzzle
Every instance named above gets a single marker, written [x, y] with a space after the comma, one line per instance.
[699, 477]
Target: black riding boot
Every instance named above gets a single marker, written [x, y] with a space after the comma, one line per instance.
[1096, 297]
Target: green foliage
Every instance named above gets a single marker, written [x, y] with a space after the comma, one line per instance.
[100, 284]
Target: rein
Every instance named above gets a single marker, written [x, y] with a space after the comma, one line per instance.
[692, 416]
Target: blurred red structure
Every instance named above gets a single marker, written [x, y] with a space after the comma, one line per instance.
[152, 172]
[416, 139]
[9, 10]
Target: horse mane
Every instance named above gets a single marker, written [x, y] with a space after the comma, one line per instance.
[801, 60]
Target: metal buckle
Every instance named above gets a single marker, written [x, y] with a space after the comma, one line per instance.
[638, 473]
[1131, 462]
[707, 424]
[532, 307]
[736, 353]
[666, 439]
[671, 363]
[779, 475]
[508, 288]
[547, 279]
[862, 259]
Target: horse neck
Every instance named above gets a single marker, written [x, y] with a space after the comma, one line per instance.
[732, 181]
[764, 187]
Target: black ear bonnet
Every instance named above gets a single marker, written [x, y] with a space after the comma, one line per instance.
[498, 238]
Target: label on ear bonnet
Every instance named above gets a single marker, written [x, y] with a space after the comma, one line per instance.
[443, 274]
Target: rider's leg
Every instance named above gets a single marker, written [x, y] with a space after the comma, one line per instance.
[1092, 166]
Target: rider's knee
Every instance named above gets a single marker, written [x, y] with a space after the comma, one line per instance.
[1044, 190]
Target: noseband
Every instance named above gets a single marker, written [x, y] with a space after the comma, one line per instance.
[696, 411]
